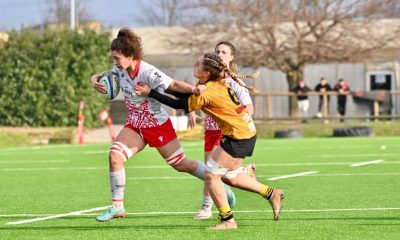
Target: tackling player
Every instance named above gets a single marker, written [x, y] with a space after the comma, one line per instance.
[239, 136]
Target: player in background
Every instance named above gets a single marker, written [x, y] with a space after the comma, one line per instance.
[212, 134]
[239, 136]
[147, 122]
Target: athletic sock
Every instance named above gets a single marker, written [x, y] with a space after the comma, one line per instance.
[243, 170]
[117, 183]
[207, 202]
[266, 191]
[225, 213]
[200, 170]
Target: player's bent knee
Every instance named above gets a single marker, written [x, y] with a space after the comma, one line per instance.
[176, 159]
[231, 174]
[213, 167]
[119, 151]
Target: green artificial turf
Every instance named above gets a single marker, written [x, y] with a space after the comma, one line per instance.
[337, 202]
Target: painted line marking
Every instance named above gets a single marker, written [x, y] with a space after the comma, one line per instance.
[190, 212]
[57, 216]
[166, 166]
[359, 164]
[354, 155]
[34, 161]
[158, 178]
[292, 175]
[271, 176]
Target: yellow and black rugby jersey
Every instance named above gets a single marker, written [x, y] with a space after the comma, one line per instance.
[220, 102]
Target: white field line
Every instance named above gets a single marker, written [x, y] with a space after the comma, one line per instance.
[359, 164]
[47, 147]
[34, 161]
[75, 168]
[165, 166]
[273, 176]
[57, 216]
[354, 155]
[86, 213]
[37, 149]
[322, 147]
[161, 178]
[292, 175]
[353, 174]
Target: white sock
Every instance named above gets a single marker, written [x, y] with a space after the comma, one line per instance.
[200, 170]
[117, 183]
[243, 170]
[207, 202]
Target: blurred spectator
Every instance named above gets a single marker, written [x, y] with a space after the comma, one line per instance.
[322, 87]
[302, 99]
[343, 89]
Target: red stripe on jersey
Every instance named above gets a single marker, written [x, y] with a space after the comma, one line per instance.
[136, 72]
[117, 200]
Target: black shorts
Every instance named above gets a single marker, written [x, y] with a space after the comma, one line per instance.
[238, 148]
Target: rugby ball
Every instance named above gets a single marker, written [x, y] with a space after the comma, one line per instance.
[111, 80]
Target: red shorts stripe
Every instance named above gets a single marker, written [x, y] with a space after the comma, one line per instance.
[156, 136]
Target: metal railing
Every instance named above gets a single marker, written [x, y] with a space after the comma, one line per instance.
[325, 105]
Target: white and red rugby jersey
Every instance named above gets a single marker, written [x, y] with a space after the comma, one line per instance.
[144, 112]
[243, 95]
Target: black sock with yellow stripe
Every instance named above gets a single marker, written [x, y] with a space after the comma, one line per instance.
[266, 191]
[225, 213]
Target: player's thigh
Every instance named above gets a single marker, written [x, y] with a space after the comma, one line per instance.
[170, 148]
[131, 139]
[225, 160]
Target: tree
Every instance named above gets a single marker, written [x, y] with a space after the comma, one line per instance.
[165, 12]
[58, 11]
[289, 34]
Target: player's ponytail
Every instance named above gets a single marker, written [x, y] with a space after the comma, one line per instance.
[214, 64]
[236, 77]
[128, 44]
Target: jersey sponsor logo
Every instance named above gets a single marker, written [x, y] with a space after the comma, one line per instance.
[161, 138]
[128, 92]
[157, 75]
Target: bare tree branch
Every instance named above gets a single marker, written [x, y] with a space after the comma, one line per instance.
[58, 11]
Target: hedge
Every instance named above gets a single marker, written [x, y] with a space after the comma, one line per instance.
[43, 76]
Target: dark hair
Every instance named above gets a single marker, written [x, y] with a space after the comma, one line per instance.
[217, 68]
[232, 64]
[128, 44]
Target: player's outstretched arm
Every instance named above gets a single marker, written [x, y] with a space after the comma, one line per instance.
[182, 87]
[144, 90]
